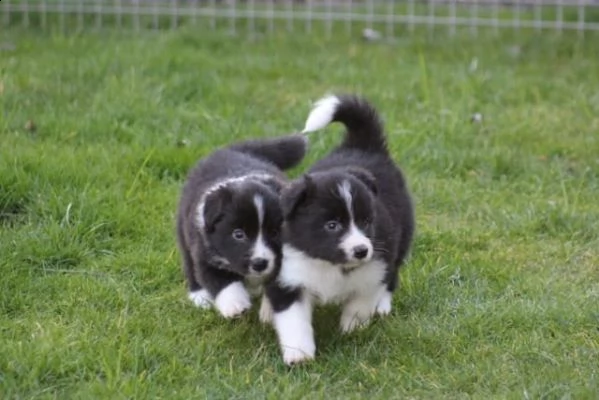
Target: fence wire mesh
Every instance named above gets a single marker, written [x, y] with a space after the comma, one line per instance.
[372, 17]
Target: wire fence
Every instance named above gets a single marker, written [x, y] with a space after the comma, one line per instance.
[374, 18]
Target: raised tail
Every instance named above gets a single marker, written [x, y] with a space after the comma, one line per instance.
[364, 127]
[285, 152]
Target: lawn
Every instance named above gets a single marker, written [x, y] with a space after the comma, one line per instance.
[500, 298]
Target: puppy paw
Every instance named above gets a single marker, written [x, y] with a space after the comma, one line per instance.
[351, 322]
[295, 333]
[233, 300]
[266, 311]
[294, 356]
[200, 298]
[384, 305]
[357, 313]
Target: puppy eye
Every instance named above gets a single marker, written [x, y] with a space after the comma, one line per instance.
[332, 226]
[239, 234]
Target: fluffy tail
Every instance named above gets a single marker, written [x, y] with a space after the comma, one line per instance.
[364, 127]
[285, 152]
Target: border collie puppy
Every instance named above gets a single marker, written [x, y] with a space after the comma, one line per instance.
[348, 227]
[229, 221]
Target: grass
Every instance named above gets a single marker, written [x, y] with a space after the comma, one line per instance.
[499, 299]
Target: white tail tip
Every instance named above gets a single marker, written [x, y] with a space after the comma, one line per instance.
[322, 113]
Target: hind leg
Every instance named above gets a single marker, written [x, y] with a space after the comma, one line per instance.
[383, 306]
[196, 294]
[199, 296]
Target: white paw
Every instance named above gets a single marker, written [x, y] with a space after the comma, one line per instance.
[266, 311]
[294, 330]
[352, 321]
[233, 300]
[384, 305]
[201, 298]
[293, 356]
[357, 313]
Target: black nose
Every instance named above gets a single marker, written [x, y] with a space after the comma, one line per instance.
[360, 252]
[259, 264]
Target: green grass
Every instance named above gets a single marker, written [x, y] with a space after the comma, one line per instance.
[499, 299]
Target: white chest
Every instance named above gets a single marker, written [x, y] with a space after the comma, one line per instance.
[326, 281]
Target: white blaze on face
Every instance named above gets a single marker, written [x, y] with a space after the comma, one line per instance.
[354, 240]
[261, 249]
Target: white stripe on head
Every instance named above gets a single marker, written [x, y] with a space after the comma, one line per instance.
[354, 239]
[259, 203]
[200, 219]
[261, 249]
[345, 193]
[322, 113]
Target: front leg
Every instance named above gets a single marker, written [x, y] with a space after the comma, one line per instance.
[292, 319]
[358, 310]
[230, 296]
[198, 295]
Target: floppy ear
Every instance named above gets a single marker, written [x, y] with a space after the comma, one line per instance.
[214, 206]
[365, 177]
[295, 194]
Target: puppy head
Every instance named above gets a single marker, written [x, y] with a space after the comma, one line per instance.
[330, 216]
[242, 224]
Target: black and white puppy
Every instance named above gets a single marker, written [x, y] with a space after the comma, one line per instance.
[229, 221]
[348, 227]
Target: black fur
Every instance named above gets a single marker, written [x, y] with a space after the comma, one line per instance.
[381, 200]
[212, 258]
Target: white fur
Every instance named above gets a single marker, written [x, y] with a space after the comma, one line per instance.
[261, 250]
[200, 219]
[294, 330]
[201, 298]
[353, 238]
[322, 113]
[266, 311]
[259, 204]
[345, 193]
[360, 291]
[233, 300]
[358, 310]
[384, 305]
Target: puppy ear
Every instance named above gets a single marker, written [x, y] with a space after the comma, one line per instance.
[365, 177]
[214, 205]
[295, 194]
